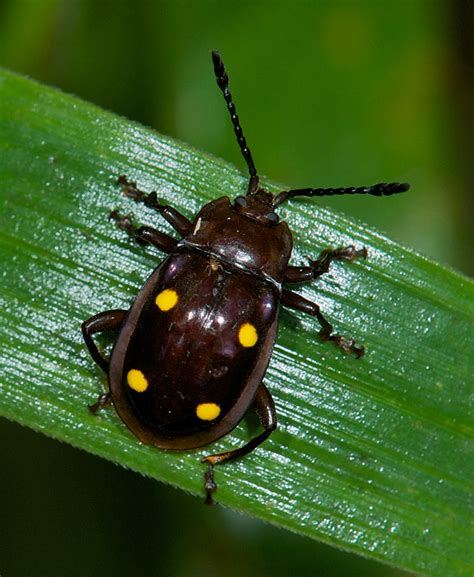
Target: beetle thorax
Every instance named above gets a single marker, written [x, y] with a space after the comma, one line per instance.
[238, 239]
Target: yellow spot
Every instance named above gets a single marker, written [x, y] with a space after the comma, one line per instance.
[248, 335]
[208, 411]
[136, 380]
[166, 300]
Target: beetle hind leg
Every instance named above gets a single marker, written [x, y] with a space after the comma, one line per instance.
[265, 409]
[299, 303]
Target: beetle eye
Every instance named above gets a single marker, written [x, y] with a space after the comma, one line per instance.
[241, 201]
[272, 217]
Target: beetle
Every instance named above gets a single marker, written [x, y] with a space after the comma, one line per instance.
[192, 351]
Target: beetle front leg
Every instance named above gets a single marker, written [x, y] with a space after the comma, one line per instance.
[265, 408]
[177, 220]
[299, 303]
[145, 234]
[321, 265]
[106, 321]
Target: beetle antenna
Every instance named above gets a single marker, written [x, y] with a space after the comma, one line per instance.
[223, 83]
[380, 189]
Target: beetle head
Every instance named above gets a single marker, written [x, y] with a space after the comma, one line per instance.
[257, 206]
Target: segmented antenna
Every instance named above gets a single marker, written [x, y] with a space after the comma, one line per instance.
[380, 189]
[223, 83]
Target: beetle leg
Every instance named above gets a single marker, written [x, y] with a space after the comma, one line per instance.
[320, 266]
[106, 321]
[265, 408]
[102, 401]
[177, 220]
[299, 303]
[145, 234]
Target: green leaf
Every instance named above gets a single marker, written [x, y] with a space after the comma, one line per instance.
[374, 455]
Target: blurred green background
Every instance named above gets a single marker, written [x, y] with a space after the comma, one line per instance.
[329, 94]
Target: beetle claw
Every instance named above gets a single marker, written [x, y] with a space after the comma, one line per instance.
[209, 484]
[130, 189]
[349, 253]
[102, 401]
[347, 345]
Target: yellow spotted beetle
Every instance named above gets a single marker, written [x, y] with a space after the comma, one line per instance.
[193, 349]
